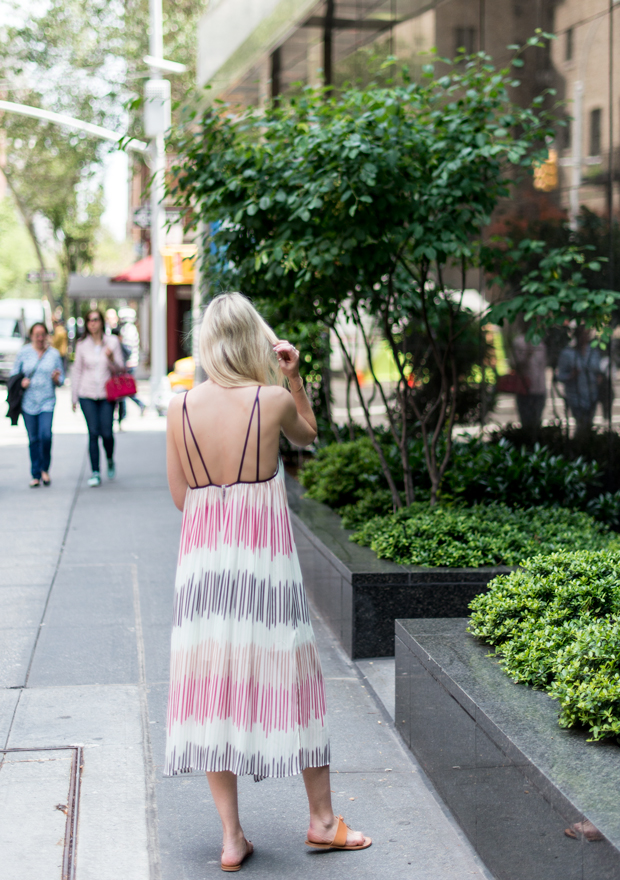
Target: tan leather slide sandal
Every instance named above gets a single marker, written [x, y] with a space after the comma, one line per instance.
[249, 849]
[340, 840]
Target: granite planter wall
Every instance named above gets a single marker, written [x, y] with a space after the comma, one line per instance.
[360, 596]
[512, 778]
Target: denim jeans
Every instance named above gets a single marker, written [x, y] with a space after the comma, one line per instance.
[99, 415]
[39, 429]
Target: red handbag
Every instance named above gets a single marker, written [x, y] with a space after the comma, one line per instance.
[513, 383]
[120, 385]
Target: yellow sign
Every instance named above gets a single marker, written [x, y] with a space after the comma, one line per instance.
[179, 263]
[546, 174]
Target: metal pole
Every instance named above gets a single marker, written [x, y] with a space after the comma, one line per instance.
[610, 206]
[159, 300]
[610, 182]
[328, 49]
[577, 136]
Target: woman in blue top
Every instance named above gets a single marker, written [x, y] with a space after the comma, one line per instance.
[42, 368]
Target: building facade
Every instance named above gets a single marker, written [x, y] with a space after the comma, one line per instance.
[250, 51]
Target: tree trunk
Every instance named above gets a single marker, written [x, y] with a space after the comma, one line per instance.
[373, 437]
[31, 231]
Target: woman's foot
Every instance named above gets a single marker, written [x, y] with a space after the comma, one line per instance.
[234, 852]
[45, 478]
[323, 835]
[111, 469]
[34, 484]
[95, 480]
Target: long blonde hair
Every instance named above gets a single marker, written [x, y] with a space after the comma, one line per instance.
[236, 344]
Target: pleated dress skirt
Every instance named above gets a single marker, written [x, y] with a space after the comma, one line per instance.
[246, 688]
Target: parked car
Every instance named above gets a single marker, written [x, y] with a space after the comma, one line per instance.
[16, 318]
[182, 375]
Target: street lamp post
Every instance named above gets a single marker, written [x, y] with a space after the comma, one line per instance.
[156, 123]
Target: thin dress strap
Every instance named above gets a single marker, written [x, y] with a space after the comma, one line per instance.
[257, 431]
[247, 436]
[185, 416]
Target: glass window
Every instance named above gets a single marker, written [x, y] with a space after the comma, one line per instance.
[9, 327]
[569, 44]
[465, 38]
[595, 131]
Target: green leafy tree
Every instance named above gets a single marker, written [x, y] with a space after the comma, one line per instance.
[16, 253]
[60, 57]
[361, 203]
[82, 58]
[557, 290]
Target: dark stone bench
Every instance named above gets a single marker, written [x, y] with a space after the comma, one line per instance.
[511, 776]
[360, 596]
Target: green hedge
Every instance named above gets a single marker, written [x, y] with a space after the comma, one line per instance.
[346, 474]
[555, 625]
[485, 534]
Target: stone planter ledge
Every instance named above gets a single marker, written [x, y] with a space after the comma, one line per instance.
[360, 596]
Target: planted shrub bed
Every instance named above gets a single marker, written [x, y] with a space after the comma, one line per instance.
[464, 530]
[348, 477]
[555, 625]
[484, 534]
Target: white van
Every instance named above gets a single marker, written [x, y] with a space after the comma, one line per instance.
[16, 318]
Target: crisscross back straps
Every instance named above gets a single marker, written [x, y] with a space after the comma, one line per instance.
[247, 436]
[185, 417]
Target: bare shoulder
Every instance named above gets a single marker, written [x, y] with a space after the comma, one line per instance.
[174, 408]
[278, 396]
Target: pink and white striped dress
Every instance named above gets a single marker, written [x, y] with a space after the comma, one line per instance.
[246, 687]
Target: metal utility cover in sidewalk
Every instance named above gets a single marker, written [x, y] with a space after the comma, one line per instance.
[39, 801]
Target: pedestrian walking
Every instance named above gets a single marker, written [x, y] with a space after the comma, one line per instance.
[579, 368]
[43, 372]
[98, 356]
[129, 337]
[530, 363]
[60, 339]
[246, 694]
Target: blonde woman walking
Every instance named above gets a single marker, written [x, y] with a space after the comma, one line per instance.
[246, 689]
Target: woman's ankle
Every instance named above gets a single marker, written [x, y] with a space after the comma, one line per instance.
[323, 822]
[232, 836]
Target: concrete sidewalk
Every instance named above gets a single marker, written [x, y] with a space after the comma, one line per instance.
[86, 581]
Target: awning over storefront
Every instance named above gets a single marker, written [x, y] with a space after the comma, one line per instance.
[178, 266]
[102, 287]
[140, 272]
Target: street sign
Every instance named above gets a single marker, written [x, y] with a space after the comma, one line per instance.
[38, 275]
[142, 217]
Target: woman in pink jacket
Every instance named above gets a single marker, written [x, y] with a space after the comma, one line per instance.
[97, 358]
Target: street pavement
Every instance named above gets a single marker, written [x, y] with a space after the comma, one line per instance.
[86, 585]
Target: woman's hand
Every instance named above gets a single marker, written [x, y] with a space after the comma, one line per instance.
[288, 359]
[74, 406]
[109, 353]
[25, 383]
[55, 376]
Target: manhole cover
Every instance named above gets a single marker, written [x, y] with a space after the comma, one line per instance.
[39, 800]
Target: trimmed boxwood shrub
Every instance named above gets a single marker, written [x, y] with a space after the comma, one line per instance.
[555, 624]
[484, 534]
[342, 473]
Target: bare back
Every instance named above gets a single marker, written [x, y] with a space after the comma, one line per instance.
[225, 436]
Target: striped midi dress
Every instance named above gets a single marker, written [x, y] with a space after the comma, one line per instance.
[246, 687]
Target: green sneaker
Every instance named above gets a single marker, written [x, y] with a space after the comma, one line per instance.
[111, 469]
[95, 480]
